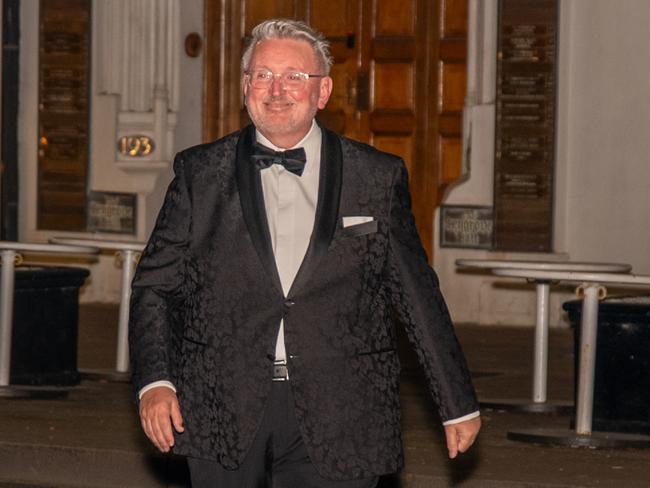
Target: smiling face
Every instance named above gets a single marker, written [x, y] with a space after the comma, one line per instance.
[284, 116]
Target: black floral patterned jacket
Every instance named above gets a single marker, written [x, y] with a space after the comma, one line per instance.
[207, 302]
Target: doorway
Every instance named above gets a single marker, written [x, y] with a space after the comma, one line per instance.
[399, 80]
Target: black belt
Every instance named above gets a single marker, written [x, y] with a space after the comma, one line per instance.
[280, 372]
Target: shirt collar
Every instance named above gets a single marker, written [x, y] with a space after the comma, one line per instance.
[311, 143]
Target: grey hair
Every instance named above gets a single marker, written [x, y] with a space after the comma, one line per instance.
[289, 29]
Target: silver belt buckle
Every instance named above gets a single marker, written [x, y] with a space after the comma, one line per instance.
[280, 372]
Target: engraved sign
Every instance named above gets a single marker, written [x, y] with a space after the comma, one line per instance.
[64, 65]
[525, 125]
[466, 226]
[112, 212]
[135, 146]
[59, 40]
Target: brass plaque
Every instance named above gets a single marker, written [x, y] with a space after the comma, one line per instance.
[135, 146]
[525, 125]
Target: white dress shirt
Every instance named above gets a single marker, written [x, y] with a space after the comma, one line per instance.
[290, 202]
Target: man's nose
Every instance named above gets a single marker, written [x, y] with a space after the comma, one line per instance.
[276, 86]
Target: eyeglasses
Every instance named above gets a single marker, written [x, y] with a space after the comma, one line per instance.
[291, 80]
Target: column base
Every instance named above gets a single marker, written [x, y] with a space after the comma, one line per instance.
[105, 375]
[528, 406]
[567, 437]
[36, 392]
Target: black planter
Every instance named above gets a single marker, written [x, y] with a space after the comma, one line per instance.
[622, 377]
[45, 322]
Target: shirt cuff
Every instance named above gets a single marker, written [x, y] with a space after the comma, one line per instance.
[469, 416]
[146, 388]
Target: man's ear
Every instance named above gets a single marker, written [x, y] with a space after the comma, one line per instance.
[326, 85]
[244, 85]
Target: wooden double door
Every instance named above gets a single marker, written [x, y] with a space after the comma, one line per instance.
[399, 79]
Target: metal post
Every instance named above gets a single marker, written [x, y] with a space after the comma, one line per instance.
[128, 267]
[6, 313]
[540, 373]
[588, 340]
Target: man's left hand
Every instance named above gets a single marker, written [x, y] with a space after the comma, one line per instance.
[461, 436]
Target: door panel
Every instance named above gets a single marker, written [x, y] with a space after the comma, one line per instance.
[334, 18]
[395, 18]
[339, 21]
[392, 86]
[402, 145]
[400, 89]
[452, 96]
[453, 19]
[451, 81]
[399, 79]
[256, 11]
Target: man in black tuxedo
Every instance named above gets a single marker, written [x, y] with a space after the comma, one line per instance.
[262, 317]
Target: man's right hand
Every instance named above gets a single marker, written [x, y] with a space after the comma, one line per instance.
[159, 410]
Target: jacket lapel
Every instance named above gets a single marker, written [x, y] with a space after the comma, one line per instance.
[252, 202]
[327, 208]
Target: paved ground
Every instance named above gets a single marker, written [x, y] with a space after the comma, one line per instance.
[92, 437]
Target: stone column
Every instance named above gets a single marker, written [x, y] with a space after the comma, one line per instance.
[138, 58]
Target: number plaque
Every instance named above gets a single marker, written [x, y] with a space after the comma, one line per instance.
[135, 146]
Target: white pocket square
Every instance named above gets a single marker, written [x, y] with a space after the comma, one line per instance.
[350, 221]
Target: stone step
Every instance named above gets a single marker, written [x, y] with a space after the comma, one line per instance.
[47, 466]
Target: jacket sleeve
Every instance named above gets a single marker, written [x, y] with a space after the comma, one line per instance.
[158, 287]
[420, 306]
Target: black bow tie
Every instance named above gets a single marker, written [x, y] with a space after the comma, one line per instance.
[293, 159]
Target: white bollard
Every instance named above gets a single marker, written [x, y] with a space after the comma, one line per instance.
[586, 374]
[128, 263]
[6, 313]
[540, 372]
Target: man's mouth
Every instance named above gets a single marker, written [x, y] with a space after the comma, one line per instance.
[277, 105]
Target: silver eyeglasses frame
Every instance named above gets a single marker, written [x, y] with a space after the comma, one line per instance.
[283, 78]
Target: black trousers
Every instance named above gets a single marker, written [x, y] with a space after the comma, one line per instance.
[277, 459]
